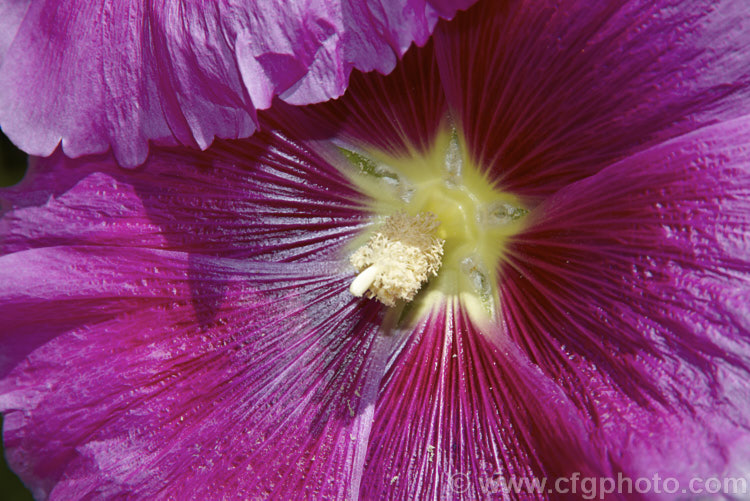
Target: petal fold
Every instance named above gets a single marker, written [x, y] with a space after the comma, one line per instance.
[181, 72]
[398, 114]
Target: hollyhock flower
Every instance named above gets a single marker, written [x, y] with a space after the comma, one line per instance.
[95, 75]
[554, 197]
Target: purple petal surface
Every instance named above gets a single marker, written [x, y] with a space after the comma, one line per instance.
[395, 114]
[461, 408]
[631, 288]
[264, 197]
[549, 91]
[192, 371]
[142, 398]
[192, 318]
[95, 76]
[11, 15]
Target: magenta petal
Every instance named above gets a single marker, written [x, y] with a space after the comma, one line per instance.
[11, 15]
[458, 414]
[93, 75]
[631, 287]
[266, 196]
[394, 114]
[550, 91]
[137, 399]
[195, 375]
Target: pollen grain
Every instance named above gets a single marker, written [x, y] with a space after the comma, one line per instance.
[398, 259]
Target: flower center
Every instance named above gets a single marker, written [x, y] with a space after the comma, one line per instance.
[398, 259]
[431, 205]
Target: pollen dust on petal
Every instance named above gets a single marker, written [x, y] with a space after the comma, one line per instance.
[398, 258]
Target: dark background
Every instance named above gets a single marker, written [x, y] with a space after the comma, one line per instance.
[12, 162]
[12, 168]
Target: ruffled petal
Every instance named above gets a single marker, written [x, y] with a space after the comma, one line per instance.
[397, 114]
[137, 396]
[97, 75]
[462, 414]
[631, 288]
[549, 91]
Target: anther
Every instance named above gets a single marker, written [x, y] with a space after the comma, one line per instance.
[398, 258]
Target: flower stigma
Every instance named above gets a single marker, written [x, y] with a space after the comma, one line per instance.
[398, 259]
[443, 231]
